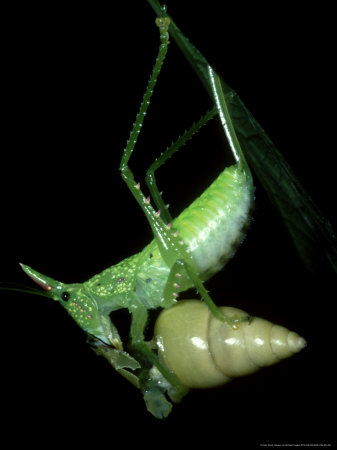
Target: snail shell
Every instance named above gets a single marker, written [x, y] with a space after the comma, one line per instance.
[204, 352]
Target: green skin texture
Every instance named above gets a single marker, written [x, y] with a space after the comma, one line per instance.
[147, 280]
[172, 263]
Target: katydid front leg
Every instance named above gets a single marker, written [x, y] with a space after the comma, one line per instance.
[138, 323]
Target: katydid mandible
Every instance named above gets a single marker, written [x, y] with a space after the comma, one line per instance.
[184, 253]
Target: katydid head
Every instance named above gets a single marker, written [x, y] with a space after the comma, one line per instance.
[80, 304]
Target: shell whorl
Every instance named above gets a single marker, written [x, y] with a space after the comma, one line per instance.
[205, 352]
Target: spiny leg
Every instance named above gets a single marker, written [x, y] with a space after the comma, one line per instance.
[162, 232]
[172, 250]
[139, 316]
[127, 175]
[172, 288]
[150, 177]
[163, 24]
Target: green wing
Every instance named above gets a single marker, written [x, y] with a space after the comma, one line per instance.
[310, 231]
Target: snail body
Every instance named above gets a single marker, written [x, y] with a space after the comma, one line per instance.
[204, 352]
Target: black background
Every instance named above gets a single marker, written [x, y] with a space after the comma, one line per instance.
[74, 78]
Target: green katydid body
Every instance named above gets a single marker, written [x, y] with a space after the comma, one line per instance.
[184, 253]
[210, 230]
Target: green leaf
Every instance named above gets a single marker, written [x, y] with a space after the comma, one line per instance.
[157, 404]
[121, 361]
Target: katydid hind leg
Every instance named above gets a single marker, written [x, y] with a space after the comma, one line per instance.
[183, 268]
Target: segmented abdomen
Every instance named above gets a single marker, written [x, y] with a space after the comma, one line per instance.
[214, 225]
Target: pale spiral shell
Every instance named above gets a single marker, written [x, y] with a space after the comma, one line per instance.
[204, 352]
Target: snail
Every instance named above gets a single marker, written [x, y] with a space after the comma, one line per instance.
[203, 352]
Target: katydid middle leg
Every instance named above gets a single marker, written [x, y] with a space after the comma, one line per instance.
[175, 146]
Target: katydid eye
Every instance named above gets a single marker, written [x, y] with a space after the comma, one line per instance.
[65, 296]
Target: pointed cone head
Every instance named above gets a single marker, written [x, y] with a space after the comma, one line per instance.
[46, 283]
[81, 305]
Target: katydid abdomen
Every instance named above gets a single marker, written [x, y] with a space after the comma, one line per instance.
[210, 229]
[214, 225]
